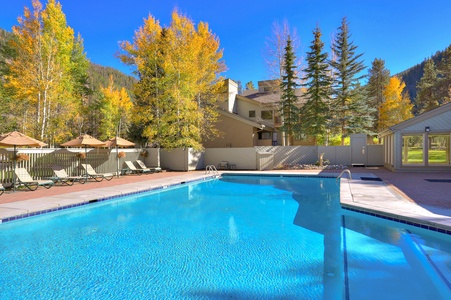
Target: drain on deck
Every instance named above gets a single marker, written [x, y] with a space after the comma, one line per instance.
[371, 178]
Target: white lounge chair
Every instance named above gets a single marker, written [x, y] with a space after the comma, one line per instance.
[63, 177]
[24, 178]
[91, 173]
[132, 169]
[223, 165]
[144, 167]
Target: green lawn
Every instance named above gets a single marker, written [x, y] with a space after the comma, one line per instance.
[435, 156]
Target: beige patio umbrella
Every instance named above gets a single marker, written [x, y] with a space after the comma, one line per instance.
[84, 140]
[118, 142]
[18, 139]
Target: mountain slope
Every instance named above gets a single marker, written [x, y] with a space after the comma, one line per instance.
[413, 75]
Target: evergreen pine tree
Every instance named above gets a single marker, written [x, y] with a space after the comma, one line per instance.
[346, 68]
[427, 93]
[288, 109]
[361, 121]
[444, 74]
[314, 113]
[379, 77]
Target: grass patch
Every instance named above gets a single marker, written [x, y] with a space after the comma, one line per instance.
[435, 156]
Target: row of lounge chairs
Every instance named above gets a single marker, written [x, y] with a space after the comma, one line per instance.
[131, 168]
[61, 176]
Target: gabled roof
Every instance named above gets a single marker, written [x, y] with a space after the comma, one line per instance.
[420, 118]
[244, 120]
[268, 97]
[246, 93]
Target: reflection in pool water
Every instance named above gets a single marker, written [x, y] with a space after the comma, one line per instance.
[238, 237]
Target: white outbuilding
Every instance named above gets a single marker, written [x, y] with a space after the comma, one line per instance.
[421, 143]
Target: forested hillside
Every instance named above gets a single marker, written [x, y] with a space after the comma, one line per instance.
[413, 75]
[99, 77]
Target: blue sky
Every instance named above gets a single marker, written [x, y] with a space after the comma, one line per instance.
[401, 32]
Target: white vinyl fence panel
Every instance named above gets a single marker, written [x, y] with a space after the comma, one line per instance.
[40, 161]
[242, 158]
[253, 158]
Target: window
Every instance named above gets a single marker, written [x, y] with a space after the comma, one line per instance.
[438, 150]
[412, 149]
[264, 135]
[266, 114]
[252, 114]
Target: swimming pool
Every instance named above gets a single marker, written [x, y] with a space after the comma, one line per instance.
[238, 237]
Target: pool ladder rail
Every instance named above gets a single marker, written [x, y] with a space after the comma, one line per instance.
[349, 178]
[345, 171]
[211, 169]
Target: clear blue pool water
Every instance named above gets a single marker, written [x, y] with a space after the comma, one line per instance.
[239, 237]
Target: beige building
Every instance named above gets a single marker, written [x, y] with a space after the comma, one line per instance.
[250, 119]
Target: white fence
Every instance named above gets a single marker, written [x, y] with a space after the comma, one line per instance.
[41, 161]
[269, 157]
[252, 158]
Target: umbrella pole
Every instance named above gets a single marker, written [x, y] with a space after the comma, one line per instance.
[14, 172]
[86, 162]
[117, 161]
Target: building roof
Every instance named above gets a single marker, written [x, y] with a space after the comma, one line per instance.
[244, 120]
[269, 97]
[420, 118]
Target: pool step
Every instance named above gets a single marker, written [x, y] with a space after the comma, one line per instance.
[420, 260]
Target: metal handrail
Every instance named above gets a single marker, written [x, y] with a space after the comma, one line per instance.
[212, 169]
[345, 171]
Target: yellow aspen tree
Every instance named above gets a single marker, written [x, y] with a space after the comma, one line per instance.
[207, 81]
[40, 71]
[145, 54]
[397, 106]
[178, 68]
[125, 106]
[116, 106]
[180, 64]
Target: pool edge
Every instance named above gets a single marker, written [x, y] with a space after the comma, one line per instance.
[105, 198]
[346, 200]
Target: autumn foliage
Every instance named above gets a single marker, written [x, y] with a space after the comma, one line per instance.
[396, 107]
[179, 70]
[115, 108]
[46, 72]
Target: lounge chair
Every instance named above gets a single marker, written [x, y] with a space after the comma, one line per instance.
[64, 178]
[144, 167]
[132, 169]
[91, 173]
[223, 165]
[24, 178]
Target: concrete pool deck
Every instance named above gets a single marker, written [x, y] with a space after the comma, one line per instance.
[422, 198]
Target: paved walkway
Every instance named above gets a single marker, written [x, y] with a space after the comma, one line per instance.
[408, 196]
